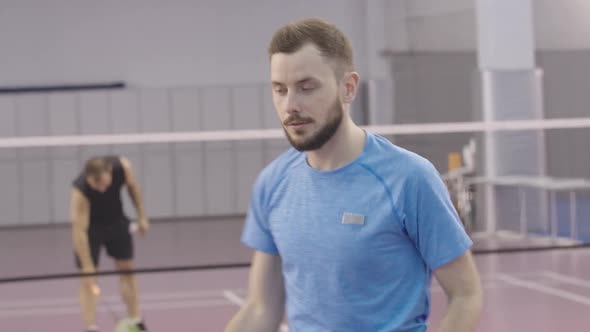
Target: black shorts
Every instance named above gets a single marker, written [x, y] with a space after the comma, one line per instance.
[116, 239]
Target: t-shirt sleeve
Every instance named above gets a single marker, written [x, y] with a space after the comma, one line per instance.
[256, 233]
[431, 219]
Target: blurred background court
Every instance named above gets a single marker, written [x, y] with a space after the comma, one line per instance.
[494, 93]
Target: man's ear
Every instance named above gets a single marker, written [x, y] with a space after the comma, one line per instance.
[351, 83]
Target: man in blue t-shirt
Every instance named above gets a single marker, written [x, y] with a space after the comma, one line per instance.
[347, 228]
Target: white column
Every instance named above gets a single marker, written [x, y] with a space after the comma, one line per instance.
[386, 33]
[511, 89]
[505, 35]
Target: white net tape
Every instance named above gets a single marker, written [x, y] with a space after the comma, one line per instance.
[259, 134]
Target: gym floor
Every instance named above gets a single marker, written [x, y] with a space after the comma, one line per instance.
[543, 291]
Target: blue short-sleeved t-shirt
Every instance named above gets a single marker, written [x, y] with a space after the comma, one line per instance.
[358, 244]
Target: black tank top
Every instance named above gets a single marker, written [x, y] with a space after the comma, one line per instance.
[106, 209]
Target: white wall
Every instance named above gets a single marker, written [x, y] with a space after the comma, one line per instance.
[154, 42]
[562, 24]
[443, 25]
[204, 42]
[449, 25]
[178, 180]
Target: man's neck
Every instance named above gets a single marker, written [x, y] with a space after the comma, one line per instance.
[344, 147]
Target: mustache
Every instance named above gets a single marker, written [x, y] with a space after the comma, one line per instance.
[294, 118]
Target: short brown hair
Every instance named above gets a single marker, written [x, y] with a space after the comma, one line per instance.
[331, 42]
[94, 167]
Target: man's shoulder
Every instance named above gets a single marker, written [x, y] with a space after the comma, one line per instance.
[79, 181]
[387, 159]
[79, 184]
[278, 168]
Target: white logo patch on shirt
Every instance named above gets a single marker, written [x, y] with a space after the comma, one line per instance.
[349, 218]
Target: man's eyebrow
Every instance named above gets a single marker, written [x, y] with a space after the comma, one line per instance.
[306, 79]
[301, 81]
